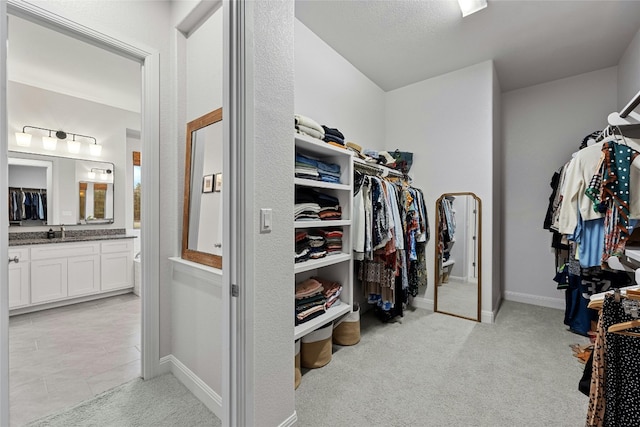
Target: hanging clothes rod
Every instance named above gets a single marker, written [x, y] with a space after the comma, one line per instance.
[630, 106]
[376, 169]
[626, 117]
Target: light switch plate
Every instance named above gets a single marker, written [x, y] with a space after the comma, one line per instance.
[266, 218]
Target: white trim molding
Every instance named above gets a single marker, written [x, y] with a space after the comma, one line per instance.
[550, 302]
[291, 421]
[191, 381]
[149, 58]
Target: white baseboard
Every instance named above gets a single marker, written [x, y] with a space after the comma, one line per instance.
[291, 421]
[424, 303]
[550, 302]
[191, 381]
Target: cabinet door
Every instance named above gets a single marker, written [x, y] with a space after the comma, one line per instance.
[117, 271]
[83, 275]
[18, 284]
[48, 279]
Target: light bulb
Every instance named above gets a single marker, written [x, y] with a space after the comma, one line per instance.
[23, 139]
[49, 143]
[95, 149]
[92, 175]
[73, 146]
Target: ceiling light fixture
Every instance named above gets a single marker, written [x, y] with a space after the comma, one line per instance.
[471, 6]
[23, 139]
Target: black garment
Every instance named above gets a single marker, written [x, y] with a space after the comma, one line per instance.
[311, 195]
[548, 219]
[332, 132]
[622, 364]
[333, 138]
[584, 385]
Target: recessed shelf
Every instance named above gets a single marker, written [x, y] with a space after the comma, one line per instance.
[333, 313]
[320, 224]
[318, 147]
[322, 262]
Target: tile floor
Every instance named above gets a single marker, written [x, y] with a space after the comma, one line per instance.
[62, 356]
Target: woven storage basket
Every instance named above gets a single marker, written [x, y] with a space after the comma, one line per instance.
[316, 347]
[297, 370]
[347, 331]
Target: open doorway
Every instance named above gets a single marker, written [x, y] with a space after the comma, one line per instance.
[75, 325]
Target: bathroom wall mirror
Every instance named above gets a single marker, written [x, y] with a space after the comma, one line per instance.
[458, 255]
[202, 211]
[95, 203]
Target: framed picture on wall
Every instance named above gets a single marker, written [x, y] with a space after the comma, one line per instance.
[218, 182]
[207, 184]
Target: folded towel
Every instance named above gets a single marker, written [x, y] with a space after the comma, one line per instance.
[309, 131]
[299, 119]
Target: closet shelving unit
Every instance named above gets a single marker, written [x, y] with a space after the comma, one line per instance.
[337, 267]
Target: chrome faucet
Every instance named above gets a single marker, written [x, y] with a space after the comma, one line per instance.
[62, 231]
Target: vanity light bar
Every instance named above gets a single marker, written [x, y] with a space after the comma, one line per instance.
[23, 139]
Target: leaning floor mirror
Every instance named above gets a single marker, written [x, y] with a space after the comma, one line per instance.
[458, 255]
[202, 211]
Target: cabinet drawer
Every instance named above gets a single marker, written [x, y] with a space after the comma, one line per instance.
[21, 253]
[64, 250]
[113, 246]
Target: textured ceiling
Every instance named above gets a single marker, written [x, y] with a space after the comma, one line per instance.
[50, 60]
[399, 42]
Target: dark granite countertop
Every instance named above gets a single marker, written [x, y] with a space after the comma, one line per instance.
[25, 242]
[72, 236]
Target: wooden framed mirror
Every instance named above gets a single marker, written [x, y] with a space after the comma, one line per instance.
[202, 208]
[458, 257]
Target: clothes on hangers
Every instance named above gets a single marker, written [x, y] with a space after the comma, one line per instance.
[27, 205]
[615, 380]
[390, 231]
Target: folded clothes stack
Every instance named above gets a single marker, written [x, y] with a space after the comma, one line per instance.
[333, 136]
[333, 241]
[306, 212]
[317, 244]
[308, 126]
[331, 292]
[310, 168]
[302, 246]
[310, 300]
[307, 199]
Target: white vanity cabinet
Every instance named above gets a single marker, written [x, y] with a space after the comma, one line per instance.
[117, 264]
[54, 274]
[19, 278]
[62, 270]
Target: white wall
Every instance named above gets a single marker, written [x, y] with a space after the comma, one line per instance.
[31, 106]
[270, 103]
[334, 93]
[629, 73]
[447, 123]
[542, 126]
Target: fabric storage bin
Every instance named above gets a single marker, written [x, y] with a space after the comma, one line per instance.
[297, 370]
[347, 331]
[316, 349]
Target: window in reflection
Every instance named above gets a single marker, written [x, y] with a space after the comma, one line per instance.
[137, 189]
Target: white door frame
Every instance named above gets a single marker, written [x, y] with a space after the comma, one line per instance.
[150, 133]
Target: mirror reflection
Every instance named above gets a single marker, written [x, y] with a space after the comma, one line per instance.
[51, 190]
[458, 254]
[96, 202]
[202, 222]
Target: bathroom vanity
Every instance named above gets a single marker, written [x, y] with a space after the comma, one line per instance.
[85, 265]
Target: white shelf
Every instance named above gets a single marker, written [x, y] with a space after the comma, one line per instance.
[319, 224]
[312, 264]
[333, 313]
[318, 147]
[320, 184]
